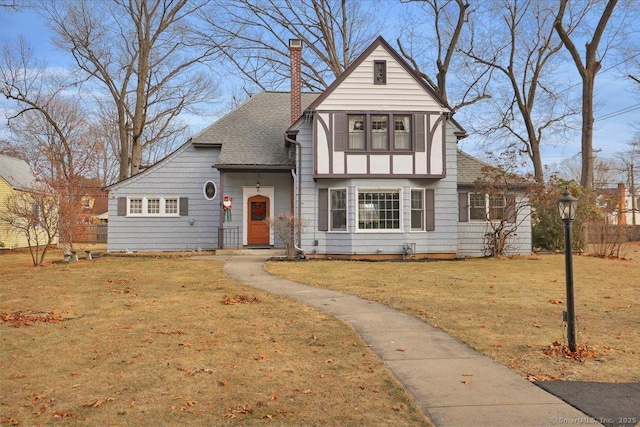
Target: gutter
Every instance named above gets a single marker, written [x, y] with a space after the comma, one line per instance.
[288, 140]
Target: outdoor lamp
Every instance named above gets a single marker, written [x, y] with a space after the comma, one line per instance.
[567, 205]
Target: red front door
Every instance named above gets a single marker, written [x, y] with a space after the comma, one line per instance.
[257, 226]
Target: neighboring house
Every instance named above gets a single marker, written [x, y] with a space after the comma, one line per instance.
[93, 214]
[626, 206]
[370, 165]
[15, 177]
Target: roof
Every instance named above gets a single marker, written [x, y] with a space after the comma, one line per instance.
[469, 169]
[253, 134]
[17, 173]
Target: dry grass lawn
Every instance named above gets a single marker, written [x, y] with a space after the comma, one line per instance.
[509, 309]
[149, 341]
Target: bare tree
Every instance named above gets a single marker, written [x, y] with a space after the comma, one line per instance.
[140, 58]
[447, 18]
[588, 71]
[528, 104]
[503, 202]
[253, 36]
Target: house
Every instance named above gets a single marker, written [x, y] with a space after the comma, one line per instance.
[92, 212]
[370, 166]
[16, 177]
[618, 205]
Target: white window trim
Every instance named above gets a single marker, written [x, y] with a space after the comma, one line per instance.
[346, 229]
[145, 208]
[378, 230]
[424, 210]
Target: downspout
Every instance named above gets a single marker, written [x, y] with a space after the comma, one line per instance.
[297, 244]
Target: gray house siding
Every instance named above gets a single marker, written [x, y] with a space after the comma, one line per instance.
[442, 240]
[181, 175]
[472, 242]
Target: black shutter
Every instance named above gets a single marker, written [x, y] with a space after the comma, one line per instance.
[323, 209]
[122, 206]
[463, 207]
[184, 206]
[339, 133]
[431, 212]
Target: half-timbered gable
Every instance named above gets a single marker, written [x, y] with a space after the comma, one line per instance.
[379, 120]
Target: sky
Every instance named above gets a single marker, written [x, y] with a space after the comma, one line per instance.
[616, 109]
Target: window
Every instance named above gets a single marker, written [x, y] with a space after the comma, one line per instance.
[496, 207]
[153, 206]
[338, 213]
[209, 190]
[477, 207]
[417, 210]
[372, 132]
[171, 206]
[379, 72]
[379, 210]
[379, 133]
[356, 132]
[485, 207]
[402, 132]
[135, 206]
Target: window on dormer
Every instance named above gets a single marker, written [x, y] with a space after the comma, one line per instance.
[379, 132]
[402, 132]
[380, 72]
[356, 132]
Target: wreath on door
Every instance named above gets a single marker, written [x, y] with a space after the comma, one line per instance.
[259, 209]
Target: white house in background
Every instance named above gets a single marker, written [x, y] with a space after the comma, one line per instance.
[371, 166]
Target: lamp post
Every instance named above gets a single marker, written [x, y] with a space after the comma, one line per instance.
[567, 206]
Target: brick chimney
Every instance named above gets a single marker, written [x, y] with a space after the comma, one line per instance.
[295, 51]
[622, 204]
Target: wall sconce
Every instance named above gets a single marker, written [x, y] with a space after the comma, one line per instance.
[258, 182]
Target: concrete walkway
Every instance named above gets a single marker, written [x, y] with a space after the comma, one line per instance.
[452, 383]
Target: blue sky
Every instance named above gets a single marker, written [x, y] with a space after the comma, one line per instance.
[614, 95]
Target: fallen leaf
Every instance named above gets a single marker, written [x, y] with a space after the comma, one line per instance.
[223, 381]
[401, 349]
[555, 301]
[466, 382]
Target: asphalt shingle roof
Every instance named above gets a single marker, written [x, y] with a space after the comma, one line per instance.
[253, 134]
[17, 173]
[469, 168]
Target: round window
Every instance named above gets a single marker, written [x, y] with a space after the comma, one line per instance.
[210, 190]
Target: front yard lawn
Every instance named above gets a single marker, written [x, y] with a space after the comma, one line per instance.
[509, 309]
[173, 341]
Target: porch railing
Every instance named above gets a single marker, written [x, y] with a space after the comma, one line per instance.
[229, 237]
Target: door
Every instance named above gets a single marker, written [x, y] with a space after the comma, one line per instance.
[257, 227]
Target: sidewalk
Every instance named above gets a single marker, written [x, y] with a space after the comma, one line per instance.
[452, 383]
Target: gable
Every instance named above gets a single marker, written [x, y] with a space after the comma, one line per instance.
[400, 93]
[355, 87]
